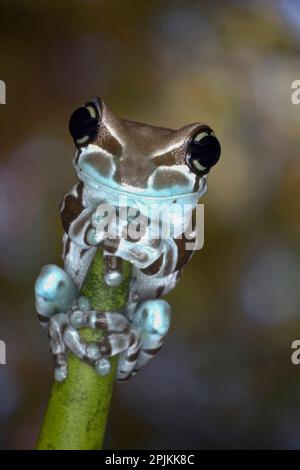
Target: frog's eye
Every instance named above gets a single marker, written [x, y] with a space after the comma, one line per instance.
[84, 123]
[203, 152]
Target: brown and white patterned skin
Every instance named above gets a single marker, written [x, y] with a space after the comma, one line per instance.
[118, 157]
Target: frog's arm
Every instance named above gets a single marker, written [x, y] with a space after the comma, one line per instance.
[76, 216]
[83, 230]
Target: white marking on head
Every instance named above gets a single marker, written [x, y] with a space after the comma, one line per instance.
[92, 148]
[183, 169]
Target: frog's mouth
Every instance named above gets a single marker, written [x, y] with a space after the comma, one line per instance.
[140, 194]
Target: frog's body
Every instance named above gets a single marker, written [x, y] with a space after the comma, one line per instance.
[117, 159]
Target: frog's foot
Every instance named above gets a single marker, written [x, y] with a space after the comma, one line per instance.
[118, 335]
[63, 338]
[136, 341]
[150, 323]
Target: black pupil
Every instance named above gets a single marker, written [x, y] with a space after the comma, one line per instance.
[207, 151]
[82, 124]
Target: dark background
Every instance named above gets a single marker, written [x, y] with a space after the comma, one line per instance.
[224, 378]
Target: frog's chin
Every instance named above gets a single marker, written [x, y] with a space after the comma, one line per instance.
[142, 194]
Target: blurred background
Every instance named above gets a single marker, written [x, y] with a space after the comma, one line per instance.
[224, 377]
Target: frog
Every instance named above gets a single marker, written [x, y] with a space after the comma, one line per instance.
[118, 158]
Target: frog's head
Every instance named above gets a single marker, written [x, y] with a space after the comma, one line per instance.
[127, 156]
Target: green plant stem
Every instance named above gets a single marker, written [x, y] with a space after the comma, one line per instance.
[78, 407]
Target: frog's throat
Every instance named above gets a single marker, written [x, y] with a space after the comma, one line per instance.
[133, 195]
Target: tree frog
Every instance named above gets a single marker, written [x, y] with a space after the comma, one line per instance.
[142, 164]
